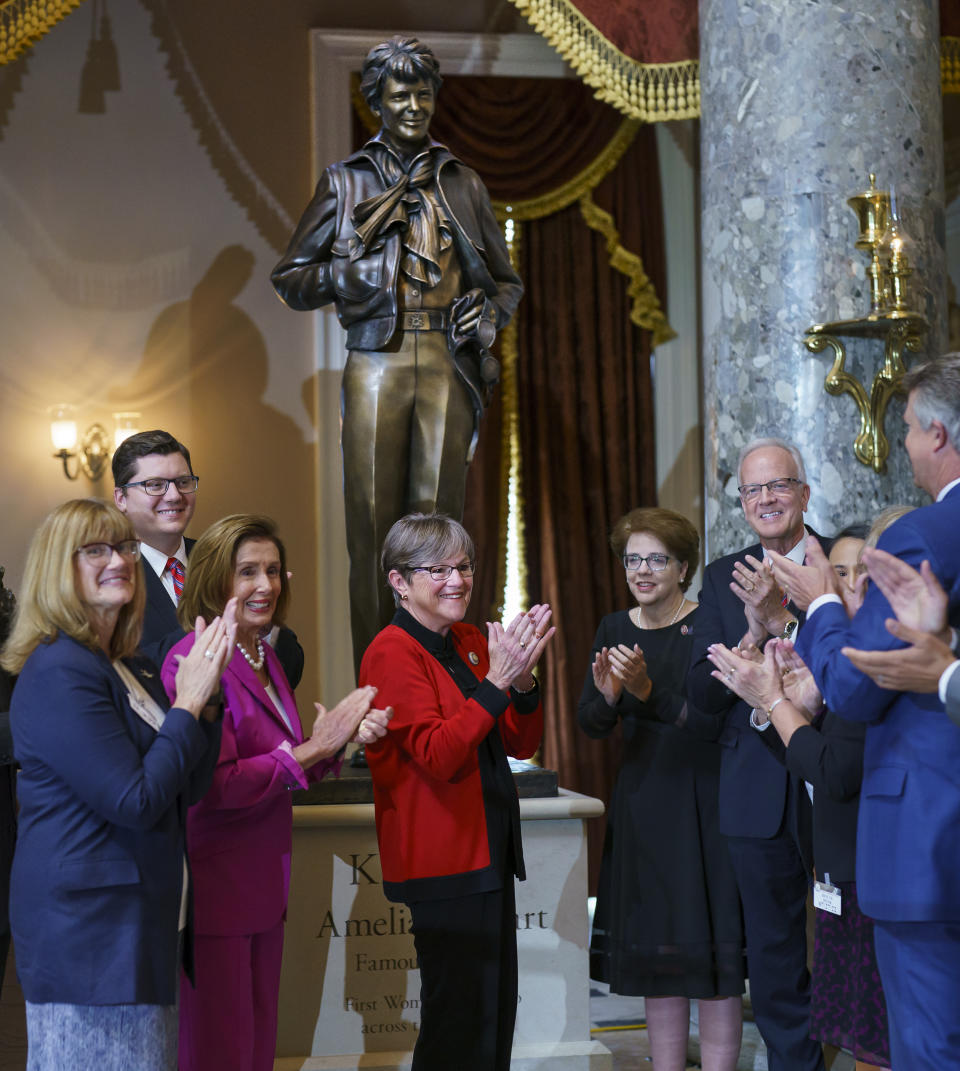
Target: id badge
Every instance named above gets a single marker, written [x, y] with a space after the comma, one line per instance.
[826, 897]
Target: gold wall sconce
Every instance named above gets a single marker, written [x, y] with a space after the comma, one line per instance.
[890, 320]
[91, 451]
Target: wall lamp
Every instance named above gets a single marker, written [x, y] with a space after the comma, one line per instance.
[91, 451]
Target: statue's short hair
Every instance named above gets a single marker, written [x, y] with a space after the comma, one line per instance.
[935, 387]
[403, 58]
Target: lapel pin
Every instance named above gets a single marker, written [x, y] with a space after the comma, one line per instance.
[474, 658]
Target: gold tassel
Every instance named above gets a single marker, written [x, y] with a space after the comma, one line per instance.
[651, 92]
[23, 22]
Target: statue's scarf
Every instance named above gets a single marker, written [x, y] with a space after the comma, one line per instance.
[410, 204]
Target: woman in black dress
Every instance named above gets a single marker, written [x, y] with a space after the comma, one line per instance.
[667, 925]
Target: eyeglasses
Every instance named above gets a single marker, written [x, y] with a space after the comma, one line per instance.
[101, 553]
[442, 572]
[781, 488]
[156, 487]
[656, 563]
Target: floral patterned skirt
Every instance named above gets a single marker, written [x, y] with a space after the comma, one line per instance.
[847, 1006]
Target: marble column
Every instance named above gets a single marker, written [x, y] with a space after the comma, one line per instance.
[800, 102]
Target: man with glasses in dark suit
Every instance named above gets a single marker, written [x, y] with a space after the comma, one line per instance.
[156, 488]
[765, 819]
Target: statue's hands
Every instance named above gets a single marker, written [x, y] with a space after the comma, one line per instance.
[467, 312]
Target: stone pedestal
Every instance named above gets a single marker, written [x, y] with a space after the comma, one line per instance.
[349, 992]
[800, 102]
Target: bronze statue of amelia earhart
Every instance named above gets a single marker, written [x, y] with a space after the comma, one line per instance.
[402, 238]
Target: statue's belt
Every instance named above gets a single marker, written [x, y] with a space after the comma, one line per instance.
[422, 320]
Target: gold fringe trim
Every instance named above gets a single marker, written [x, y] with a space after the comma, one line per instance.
[651, 92]
[23, 22]
[645, 309]
[583, 182]
[511, 481]
[950, 64]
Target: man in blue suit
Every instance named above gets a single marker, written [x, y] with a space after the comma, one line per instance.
[908, 836]
[764, 817]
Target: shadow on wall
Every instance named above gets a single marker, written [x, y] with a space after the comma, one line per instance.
[203, 376]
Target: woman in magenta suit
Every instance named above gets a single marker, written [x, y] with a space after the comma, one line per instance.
[239, 835]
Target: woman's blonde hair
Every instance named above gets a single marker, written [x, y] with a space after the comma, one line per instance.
[883, 520]
[49, 602]
[211, 564]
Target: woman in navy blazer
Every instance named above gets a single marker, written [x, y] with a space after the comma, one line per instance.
[240, 834]
[99, 887]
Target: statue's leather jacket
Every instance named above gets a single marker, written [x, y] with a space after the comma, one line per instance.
[316, 268]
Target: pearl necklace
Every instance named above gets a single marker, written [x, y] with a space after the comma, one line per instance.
[256, 664]
[673, 620]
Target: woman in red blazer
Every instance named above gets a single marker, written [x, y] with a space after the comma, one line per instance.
[239, 835]
[448, 819]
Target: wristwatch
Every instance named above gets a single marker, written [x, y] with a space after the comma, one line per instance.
[789, 629]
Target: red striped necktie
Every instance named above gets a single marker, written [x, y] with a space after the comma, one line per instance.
[175, 567]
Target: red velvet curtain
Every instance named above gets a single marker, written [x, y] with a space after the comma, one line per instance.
[648, 31]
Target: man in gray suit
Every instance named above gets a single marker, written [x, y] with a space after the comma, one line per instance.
[929, 664]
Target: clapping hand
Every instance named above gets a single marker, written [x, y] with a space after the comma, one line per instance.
[797, 680]
[373, 725]
[604, 679]
[756, 682]
[199, 671]
[334, 728]
[756, 587]
[917, 668]
[920, 603]
[629, 667]
[917, 598]
[804, 583]
[515, 650]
